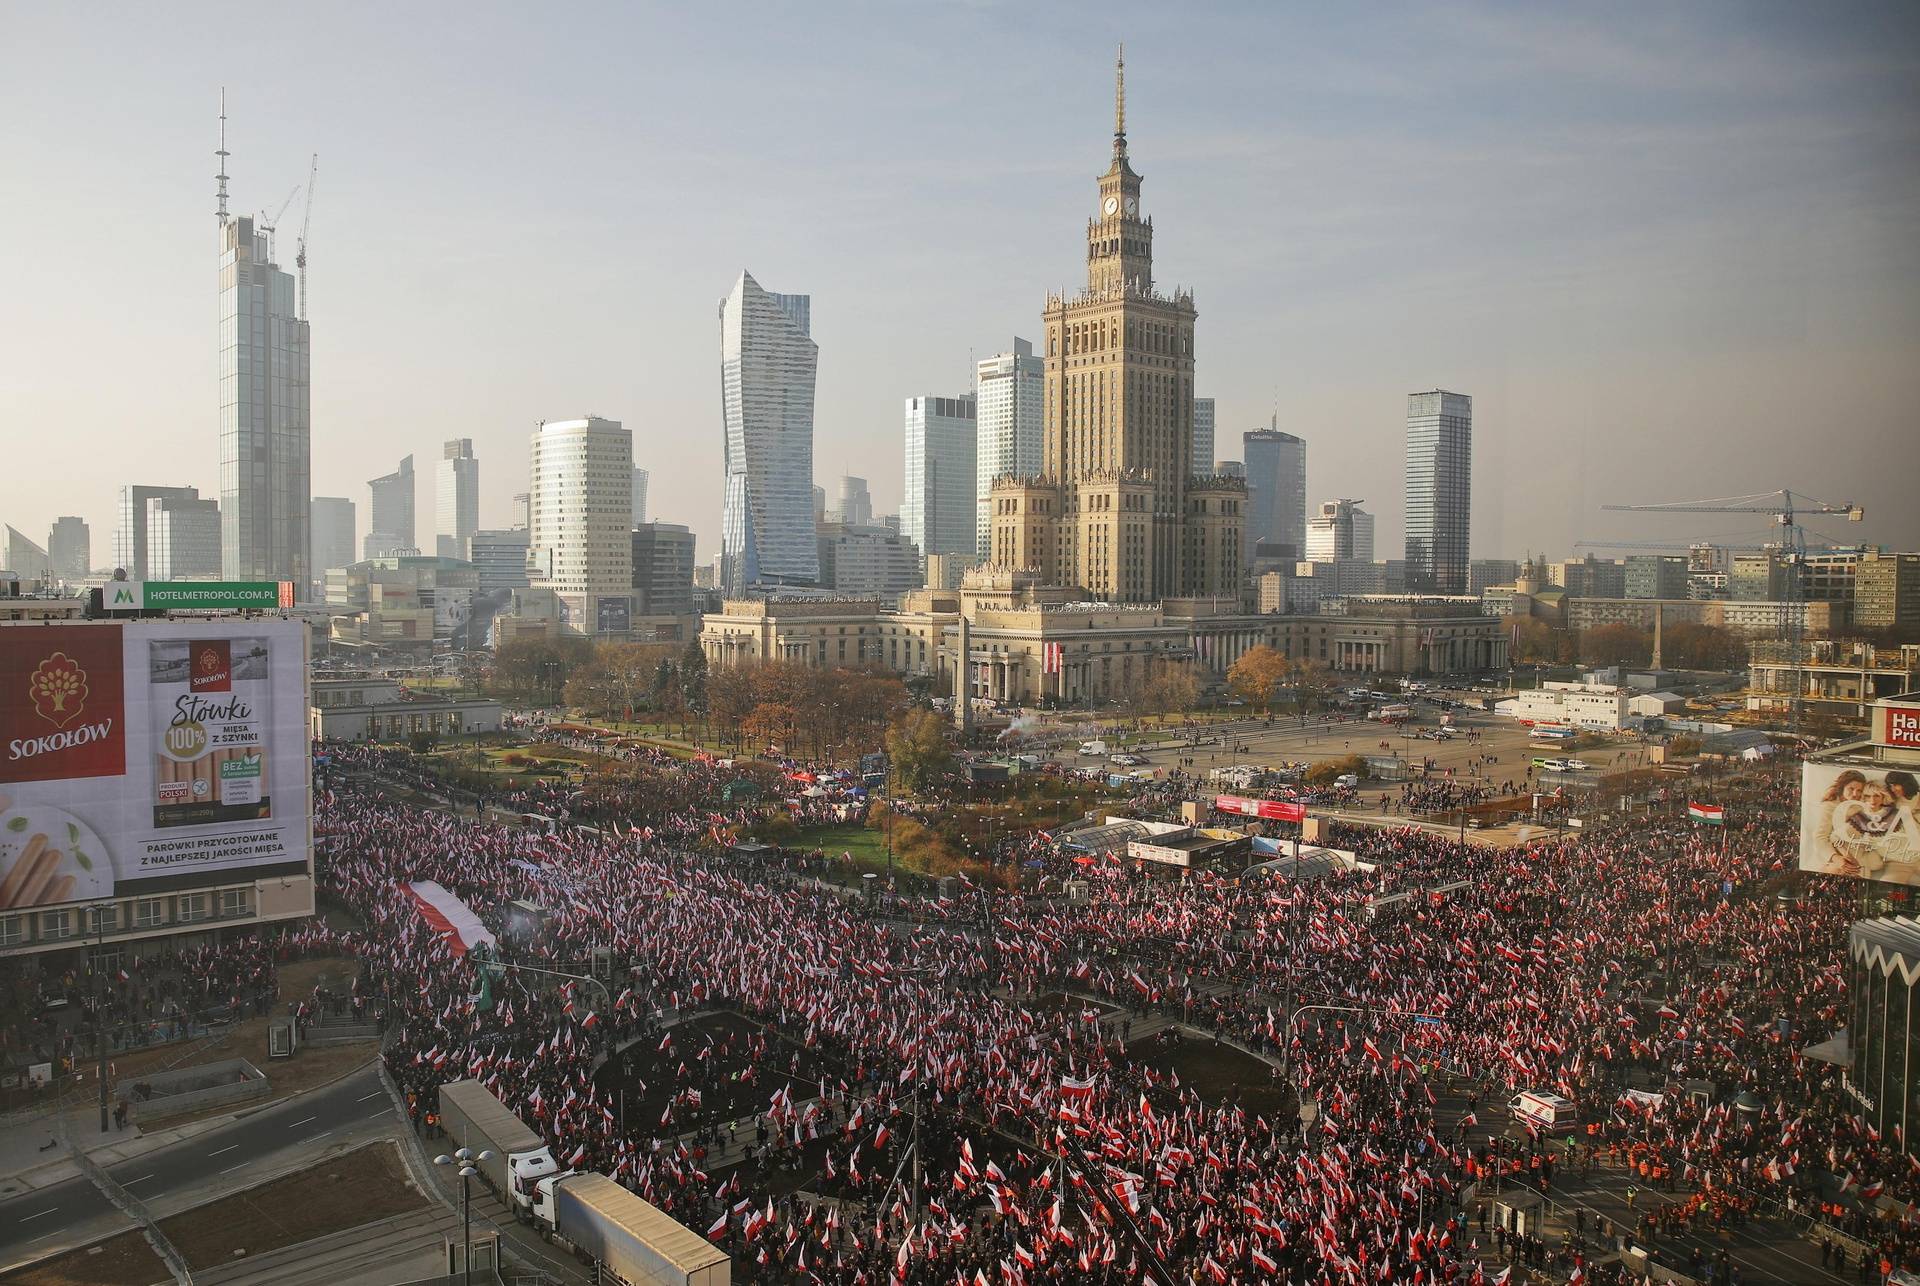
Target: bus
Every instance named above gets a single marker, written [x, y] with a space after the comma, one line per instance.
[1551, 735]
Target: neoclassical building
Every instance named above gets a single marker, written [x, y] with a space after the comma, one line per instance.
[1117, 507]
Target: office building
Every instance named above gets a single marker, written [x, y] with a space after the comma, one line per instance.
[25, 559]
[640, 478]
[1757, 576]
[939, 512]
[70, 548]
[265, 405]
[855, 503]
[1590, 577]
[1483, 573]
[1115, 508]
[1231, 469]
[499, 559]
[1203, 435]
[1439, 490]
[1827, 575]
[767, 365]
[946, 571]
[1886, 591]
[458, 496]
[522, 510]
[333, 537]
[867, 560]
[130, 535]
[1656, 576]
[1008, 393]
[581, 543]
[183, 539]
[1276, 490]
[390, 516]
[662, 569]
[1342, 529]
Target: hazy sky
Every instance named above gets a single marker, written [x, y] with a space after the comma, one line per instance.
[1672, 251]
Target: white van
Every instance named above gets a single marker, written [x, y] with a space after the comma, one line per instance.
[1547, 1112]
[1094, 748]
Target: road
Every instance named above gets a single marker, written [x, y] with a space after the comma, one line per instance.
[175, 1178]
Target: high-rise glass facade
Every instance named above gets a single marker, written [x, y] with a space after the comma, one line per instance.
[581, 543]
[458, 499]
[938, 512]
[767, 367]
[640, 480]
[265, 413]
[1342, 529]
[1008, 392]
[130, 537]
[333, 531]
[390, 515]
[1439, 491]
[70, 548]
[183, 539]
[1276, 465]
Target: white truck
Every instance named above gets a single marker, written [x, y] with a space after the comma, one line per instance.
[475, 1119]
[1548, 1113]
[627, 1238]
[1094, 748]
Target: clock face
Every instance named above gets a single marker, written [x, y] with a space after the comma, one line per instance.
[1113, 203]
[1132, 205]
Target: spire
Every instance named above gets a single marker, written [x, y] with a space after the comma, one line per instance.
[1119, 102]
[221, 191]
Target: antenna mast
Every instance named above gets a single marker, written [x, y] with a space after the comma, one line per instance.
[221, 177]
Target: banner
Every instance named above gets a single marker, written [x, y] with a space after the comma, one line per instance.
[149, 756]
[1277, 810]
[1709, 814]
[1860, 820]
[449, 917]
[197, 596]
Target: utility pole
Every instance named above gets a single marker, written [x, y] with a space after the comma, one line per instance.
[916, 1151]
[100, 1013]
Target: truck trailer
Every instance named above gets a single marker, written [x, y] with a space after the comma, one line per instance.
[478, 1121]
[628, 1239]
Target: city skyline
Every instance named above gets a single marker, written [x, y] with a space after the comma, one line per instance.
[1768, 287]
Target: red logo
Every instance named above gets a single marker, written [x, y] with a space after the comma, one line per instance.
[212, 666]
[1901, 727]
[58, 689]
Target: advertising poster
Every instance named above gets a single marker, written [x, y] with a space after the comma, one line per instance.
[1861, 820]
[150, 756]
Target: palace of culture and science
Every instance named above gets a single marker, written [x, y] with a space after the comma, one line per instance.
[1117, 509]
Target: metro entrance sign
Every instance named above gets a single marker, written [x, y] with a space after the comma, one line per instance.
[197, 595]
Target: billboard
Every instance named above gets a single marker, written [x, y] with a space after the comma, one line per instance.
[150, 756]
[1897, 725]
[1279, 810]
[197, 596]
[1860, 819]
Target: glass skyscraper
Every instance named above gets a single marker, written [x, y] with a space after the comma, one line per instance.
[1439, 491]
[1008, 391]
[265, 412]
[767, 366]
[390, 515]
[938, 513]
[458, 498]
[130, 537]
[1276, 465]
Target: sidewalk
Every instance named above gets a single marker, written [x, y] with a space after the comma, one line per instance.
[29, 1164]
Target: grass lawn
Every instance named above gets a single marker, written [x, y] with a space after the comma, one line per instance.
[869, 848]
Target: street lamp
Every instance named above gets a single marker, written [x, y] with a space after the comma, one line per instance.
[465, 1160]
[99, 912]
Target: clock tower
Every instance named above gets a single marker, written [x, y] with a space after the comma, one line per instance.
[1119, 241]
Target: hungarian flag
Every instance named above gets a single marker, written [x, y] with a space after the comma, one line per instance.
[1707, 814]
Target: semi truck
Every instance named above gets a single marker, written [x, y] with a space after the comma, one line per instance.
[627, 1238]
[478, 1121]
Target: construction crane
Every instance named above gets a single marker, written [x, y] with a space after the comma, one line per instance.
[306, 223]
[1786, 510]
[267, 225]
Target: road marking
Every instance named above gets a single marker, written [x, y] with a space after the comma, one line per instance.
[49, 1210]
[376, 1094]
[230, 1147]
[379, 1116]
[230, 1169]
[142, 1179]
[302, 1121]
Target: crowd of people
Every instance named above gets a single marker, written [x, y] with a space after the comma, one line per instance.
[1609, 968]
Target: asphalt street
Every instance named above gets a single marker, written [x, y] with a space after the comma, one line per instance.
[169, 1178]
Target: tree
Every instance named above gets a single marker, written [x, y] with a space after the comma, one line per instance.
[918, 750]
[1312, 682]
[773, 723]
[693, 677]
[1693, 646]
[1257, 676]
[1162, 686]
[537, 669]
[1534, 641]
[1615, 644]
[730, 697]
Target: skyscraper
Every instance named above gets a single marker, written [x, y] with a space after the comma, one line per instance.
[1439, 491]
[265, 404]
[183, 538]
[70, 548]
[390, 516]
[1117, 509]
[1342, 529]
[1276, 490]
[459, 498]
[333, 532]
[640, 478]
[767, 365]
[856, 502]
[1008, 390]
[938, 513]
[130, 537]
[24, 558]
[1203, 435]
[581, 541]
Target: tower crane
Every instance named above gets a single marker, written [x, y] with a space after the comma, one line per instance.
[1786, 509]
[306, 223]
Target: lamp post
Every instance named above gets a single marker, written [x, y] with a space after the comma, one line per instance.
[99, 911]
[465, 1159]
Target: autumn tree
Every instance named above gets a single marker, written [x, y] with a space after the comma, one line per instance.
[1162, 686]
[918, 752]
[772, 723]
[537, 669]
[1534, 641]
[1615, 644]
[1694, 646]
[1258, 676]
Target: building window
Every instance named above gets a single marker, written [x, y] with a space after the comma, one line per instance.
[193, 906]
[148, 912]
[102, 919]
[13, 930]
[235, 902]
[55, 925]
